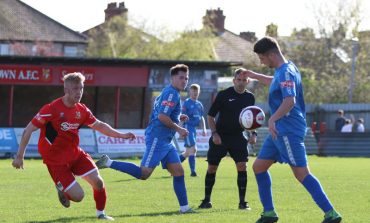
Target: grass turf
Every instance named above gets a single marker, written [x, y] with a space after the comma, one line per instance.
[30, 196]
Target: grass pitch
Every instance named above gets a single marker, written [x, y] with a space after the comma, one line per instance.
[30, 196]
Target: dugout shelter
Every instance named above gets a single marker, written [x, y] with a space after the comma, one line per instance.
[118, 91]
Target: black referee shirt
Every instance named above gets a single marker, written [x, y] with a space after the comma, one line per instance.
[228, 105]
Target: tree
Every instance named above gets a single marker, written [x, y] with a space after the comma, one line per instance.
[116, 38]
[324, 60]
[272, 30]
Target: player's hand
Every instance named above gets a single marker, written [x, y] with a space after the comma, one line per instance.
[183, 132]
[247, 73]
[272, 129]
[18, 163]
[129, 136]
[184, 118]
[204, 133]
[216, 139]
[252, 139]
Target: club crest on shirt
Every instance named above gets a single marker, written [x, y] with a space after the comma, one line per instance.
[61, 115]
[38, 117]
[168, 103]
[287, 84]
[78, 115]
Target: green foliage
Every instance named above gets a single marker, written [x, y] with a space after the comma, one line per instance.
[272, 30]
[30, 195]
[325, 60]
[118, 39]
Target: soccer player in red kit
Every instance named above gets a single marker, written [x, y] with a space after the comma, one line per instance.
[59, 122]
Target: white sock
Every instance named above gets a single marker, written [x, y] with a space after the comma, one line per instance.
[98, 213]
[109, 162]
[184, 208]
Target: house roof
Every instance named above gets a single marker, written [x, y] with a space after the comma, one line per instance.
[231, 47]
[112, 61]
[19, 21]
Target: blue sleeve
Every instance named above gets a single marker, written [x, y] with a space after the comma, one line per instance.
[185, 109]
[287, 82]
[168, 102]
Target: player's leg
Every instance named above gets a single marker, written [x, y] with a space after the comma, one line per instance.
[214, 156]
[237, 149]
[313, 186]
[173, 165]
[242, 181]
[85, 168]
[189, 142]
[192, 154]
[293, 149]
[66, 184]
[125, 167]
[266, 157]
[150, 160]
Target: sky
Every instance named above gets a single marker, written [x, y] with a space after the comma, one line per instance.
[180, 15]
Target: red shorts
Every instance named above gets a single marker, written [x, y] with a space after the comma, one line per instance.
[64, 175]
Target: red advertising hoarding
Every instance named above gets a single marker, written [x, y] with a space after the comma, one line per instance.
[95, 75]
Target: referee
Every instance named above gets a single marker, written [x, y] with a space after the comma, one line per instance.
[227, 136]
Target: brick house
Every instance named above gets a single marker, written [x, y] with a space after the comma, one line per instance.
[230, 46]
[27, 32]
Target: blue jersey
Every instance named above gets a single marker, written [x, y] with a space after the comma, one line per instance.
[287, 83]
[194, 110]
[167, 103]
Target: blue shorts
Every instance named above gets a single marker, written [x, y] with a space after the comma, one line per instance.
[157, 152]
[285, 149]
[191, 138]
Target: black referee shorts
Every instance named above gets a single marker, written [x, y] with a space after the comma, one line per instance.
[236, 145]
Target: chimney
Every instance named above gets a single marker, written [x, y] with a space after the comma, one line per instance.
[114, 10]
[249, 36]
[214, 19]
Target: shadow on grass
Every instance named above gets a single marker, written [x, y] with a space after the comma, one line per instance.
[167, 213]
[133, 179]
[67, 219]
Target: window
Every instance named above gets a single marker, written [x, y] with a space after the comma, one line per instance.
[70, 51]
[4, 49]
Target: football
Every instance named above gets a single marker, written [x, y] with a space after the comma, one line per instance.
[251, 117]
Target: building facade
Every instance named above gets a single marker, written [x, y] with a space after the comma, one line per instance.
[27, 32]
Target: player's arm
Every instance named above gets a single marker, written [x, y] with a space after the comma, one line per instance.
[260, 77]
[284, 108]
[212, 125]
[26, 135]
[166, 120]
[106, 129]
[203, 126]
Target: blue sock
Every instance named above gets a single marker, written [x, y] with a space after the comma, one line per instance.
[180, 190]
[192, 163]
[313, 186]
[265, 191]
[182, 157]
[127, 167]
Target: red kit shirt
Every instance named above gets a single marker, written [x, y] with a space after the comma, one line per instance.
[59, 124]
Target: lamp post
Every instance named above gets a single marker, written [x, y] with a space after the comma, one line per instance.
[355, 46]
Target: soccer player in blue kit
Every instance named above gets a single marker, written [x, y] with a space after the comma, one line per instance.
[163, 124]
[287, 129]
[194, 110]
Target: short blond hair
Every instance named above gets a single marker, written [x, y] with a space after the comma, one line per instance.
[75, 77]
[195, 87]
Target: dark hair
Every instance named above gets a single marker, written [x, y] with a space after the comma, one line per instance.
[265, 45]
[177, 68]
[238, 71]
